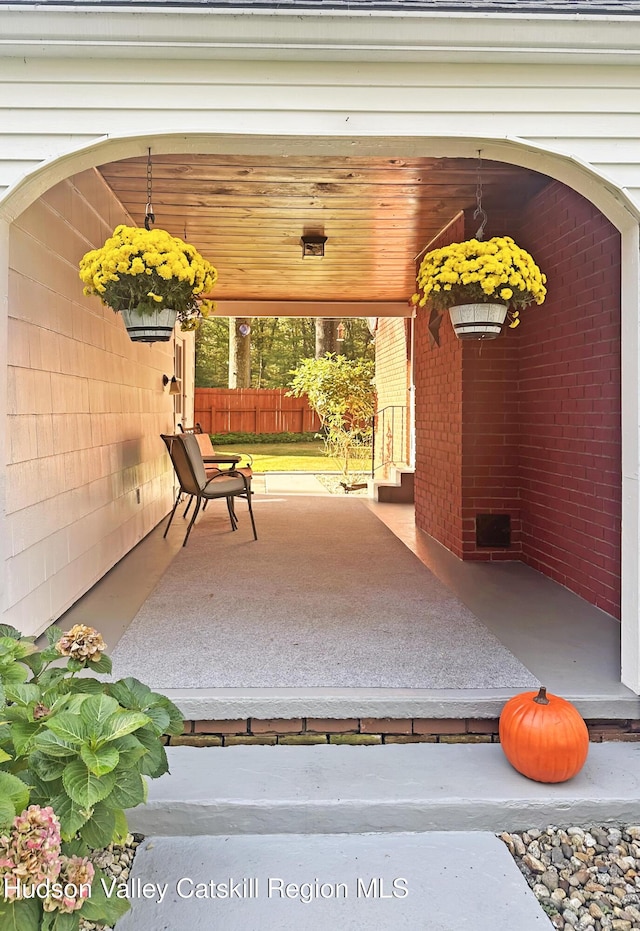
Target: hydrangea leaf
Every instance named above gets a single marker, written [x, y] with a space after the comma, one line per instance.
[130, 790]
[83, 787]
[99, 830]
[71, 816]
[100, 761]
[96, 710]
[69, 727]
[123, 722]
[7, 814]
[101, 908]
[131, 693]
[20, 916]
[15, 791]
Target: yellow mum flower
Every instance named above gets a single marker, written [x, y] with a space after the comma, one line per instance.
[142, 268]
[476, 270]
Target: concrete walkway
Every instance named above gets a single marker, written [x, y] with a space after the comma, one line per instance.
[424, 813]
[347, 882]
[289, 483]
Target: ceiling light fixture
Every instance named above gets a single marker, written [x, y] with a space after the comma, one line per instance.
[313, 245]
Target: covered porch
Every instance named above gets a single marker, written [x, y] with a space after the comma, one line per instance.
[565, 643]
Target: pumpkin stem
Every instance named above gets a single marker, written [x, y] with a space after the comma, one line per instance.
[541, 697]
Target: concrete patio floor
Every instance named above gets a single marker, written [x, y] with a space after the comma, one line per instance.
[572, 647]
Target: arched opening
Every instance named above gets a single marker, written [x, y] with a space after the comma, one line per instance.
[578, 177]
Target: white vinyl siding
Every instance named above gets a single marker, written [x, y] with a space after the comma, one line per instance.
[582, 111]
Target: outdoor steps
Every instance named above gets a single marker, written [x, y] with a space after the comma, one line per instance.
[355, 882]
[270, 704]
[257, 819]
[394, 788]
[397, 489]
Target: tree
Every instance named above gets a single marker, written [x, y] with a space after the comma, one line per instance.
[239, 352]
[340, 390]
[276, 344]
[212, 353]
[326, 336]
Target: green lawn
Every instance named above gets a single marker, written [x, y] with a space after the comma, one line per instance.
[285, 457]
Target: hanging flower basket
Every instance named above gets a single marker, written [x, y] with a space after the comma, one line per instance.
[152, 278]
[481, 284]
[156, 327]
[478, 321]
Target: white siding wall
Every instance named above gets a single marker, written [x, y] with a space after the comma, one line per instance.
[85, 409]
[584, 111]
[392, 387]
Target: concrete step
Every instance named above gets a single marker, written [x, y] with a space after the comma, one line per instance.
[388, 882]
[397, 489]
[330, 789]
[232, 704]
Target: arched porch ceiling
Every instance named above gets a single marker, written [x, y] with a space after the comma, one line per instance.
[246, 214]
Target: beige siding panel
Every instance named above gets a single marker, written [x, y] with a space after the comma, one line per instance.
[42, 146]
[190, 73]
[392, 386]
[293, 120]
[41, 99]
[86, 407]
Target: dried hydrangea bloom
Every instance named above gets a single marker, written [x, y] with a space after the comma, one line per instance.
[76, 875]
[82, 643]
[33, 848]
[40, 711]
[6, 856]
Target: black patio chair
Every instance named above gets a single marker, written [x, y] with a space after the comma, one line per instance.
[192, 477]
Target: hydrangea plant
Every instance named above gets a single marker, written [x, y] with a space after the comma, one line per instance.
[74, 754]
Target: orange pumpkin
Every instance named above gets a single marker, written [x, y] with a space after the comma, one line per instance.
[543, 736]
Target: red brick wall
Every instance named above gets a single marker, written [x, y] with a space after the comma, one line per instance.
[490, 482]
[438, 424]
[490, 437]
[529, 424]
[569, 395]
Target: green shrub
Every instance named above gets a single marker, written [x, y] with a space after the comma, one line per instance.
[253, 439]
[74, 754]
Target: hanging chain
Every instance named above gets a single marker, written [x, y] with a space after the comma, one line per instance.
[479, 212]
[149, 215]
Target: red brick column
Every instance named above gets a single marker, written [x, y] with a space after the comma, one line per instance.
[438, 423]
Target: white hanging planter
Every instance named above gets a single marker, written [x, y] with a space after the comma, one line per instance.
[156, 327]
[478, 321]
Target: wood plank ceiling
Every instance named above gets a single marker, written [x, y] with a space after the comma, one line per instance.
[246, 214]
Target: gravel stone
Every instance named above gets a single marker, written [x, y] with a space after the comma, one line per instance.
[587, 877]
[116, 861]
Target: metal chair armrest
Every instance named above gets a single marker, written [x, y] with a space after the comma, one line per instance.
[231, 458]
[246, 456]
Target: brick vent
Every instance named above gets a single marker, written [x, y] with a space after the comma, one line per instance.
[369, 731]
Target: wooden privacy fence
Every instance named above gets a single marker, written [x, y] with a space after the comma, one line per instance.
[253, 410]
